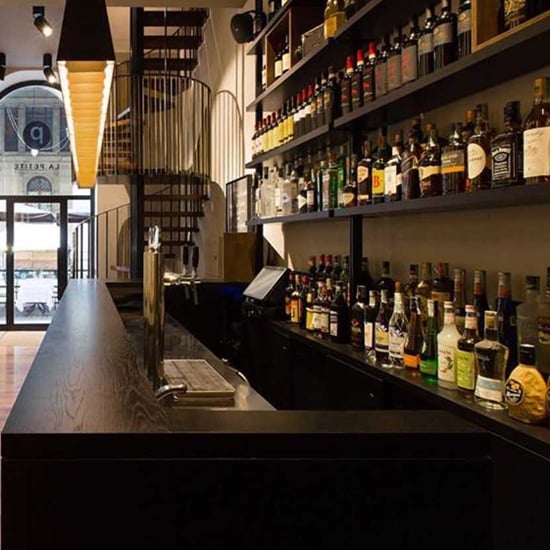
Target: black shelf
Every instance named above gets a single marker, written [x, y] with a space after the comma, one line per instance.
[295, 218]
[294, 144]
[514, 55]
[520, 195]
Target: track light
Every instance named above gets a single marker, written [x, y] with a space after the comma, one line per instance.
[48, 71]
[40, 22]
[2, 66]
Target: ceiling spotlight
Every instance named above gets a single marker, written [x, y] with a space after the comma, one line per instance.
[40, 22]
[2, 66]
[48, 71]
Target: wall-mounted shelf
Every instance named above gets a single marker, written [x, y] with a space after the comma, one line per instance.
[295, 218]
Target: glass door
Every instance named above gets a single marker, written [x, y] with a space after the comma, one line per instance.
[3, 263]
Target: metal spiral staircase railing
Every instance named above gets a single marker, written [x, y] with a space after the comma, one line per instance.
[157, 136]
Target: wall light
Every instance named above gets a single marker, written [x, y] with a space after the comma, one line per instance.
[2, 66]
[48, 71]
[85, 62]
[40, 22]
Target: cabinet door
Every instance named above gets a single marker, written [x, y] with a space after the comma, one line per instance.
[309, 381]
[349, 388]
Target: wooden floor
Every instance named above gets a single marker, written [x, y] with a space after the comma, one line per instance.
[17, 351]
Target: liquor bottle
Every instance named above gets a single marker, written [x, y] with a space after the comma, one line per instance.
[424, 290]
[413, 342]
[409, 290]
[337, 269]
[318, 104]
[459, 299]
[357, 82]
[329, 267]
[453, 163]
[378, 169]
[409, 164]
[470, 125]
[331, 175]
[429, 167]
[332, 97]
[381, 71]
[295, 298]
[311, 196]
[409, 53]
[296, 115]
[490, 357]
[339, 318]
[543, 324]
[479, 153]
[349, 8]
[295, 178]
[302, 300]
[428, 353]
[364, 175]
[442, 287]
[342, 173]
[426, 46]
[285, 56]
[536, 136]
[507, 149]
[310, 299]
[308, 110]
[311, 267]
[369, 84]
[447, 341]
[480, 299]
[464, 28]
[398, 328]
[464, 357]
[326, 300]
[365, 277]
[393, 188]
[344, 279]
[381, 334]
[527, 312]
[371, 313]
[264, 72]
[286, 193]
[345, 86]
[349, 192]
[334, 17]
[395, 77]
[278, 65]
[320, 273]
[525, 391]
[386, 282]
[302, 196]
[444, 37]
[506, 318]
[516, 12]
[288, 295]
[357, 319]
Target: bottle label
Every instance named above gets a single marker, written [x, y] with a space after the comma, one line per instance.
[381, 79]
[396, 342]
[286, 62]
[410, 162]
[428, 366]
[464, 22]
[332, 23]
[278, 69]
[441, 297]
[369, 336]
[452, 162]
[515, 12]
[382, 338]
[368, 91]
[316, 321]
[357, 337]
[334, 324]
[477, 160]
[426, 173]
[390, 180]
[348, 199]
[309, 319]
[326, 190]
[356, 89]
[310, 198]
[362, 174]
[513, 392]
[465, 369]
[302, 202]
[446, 362]
[409, 63]
[324, 322]
[295, 311]
[395, 79]
[503, 158]
[425, 44]
[443, 34]
[411, 361]
[378, 184]
[489, 389]
[536, 152]
[544, 330]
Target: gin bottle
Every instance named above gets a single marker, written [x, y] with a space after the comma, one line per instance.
[398, 329]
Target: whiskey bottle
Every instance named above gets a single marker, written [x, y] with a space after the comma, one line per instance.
[381, 71]
[381, 334]
[428, 353]
[465, 359]
[371, 313]
[308, 110]
[364, 176]
[326, 300]
[464, 28]
[444, 37]
[365, 277]
[481, 303]
[310, 299]
[453, 163]
[536, 137]
[409, 164]
[295, 299]
[395, 77]
[447, 341]
[345, 87]
[369, 85]
[490, 357]
[350, 8]
[409, 53]
[392, 173]
[430, 166]
[459, 301]
[312, 267]
[506, 318]
[285, 56]
[378, 170]
[426, 46]
[334, 17]
[527, 312]
[349, 192]
[516, 12]
[332, 96]
[479, 153]
[319, 102]
[424, 290]
[278, 65]
[329, 267]
[339, 318]
[398, 328]
[357, 82]
[337, 269]
[413, 342]
[507, 149]
[543, 324]
[357, 319]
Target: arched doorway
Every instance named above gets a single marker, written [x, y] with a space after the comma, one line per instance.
[39, 204]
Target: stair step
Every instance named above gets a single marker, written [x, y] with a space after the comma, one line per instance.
[174, 42]
[159, 214]
[119, 123]
[183, 197]
[183, 18]
[159, 64]
[190, 229]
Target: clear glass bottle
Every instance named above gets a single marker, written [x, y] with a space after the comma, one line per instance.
[490, 357]
[428, 354]
[447, 341]
[465, 358]
[507, 149]
[398, 329]
[381, 334]
[371, 313]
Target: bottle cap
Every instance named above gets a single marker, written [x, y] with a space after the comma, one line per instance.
[349, 64]
[372, 49]
[360, 58]
[491, 319]
[448, 304]
[470, 309]
[527, 354]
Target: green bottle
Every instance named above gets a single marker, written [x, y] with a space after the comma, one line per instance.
[428, 354]
[341, 175]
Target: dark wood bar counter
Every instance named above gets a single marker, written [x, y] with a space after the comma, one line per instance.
[91, 459]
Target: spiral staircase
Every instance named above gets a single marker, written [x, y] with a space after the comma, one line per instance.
[156, 142]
